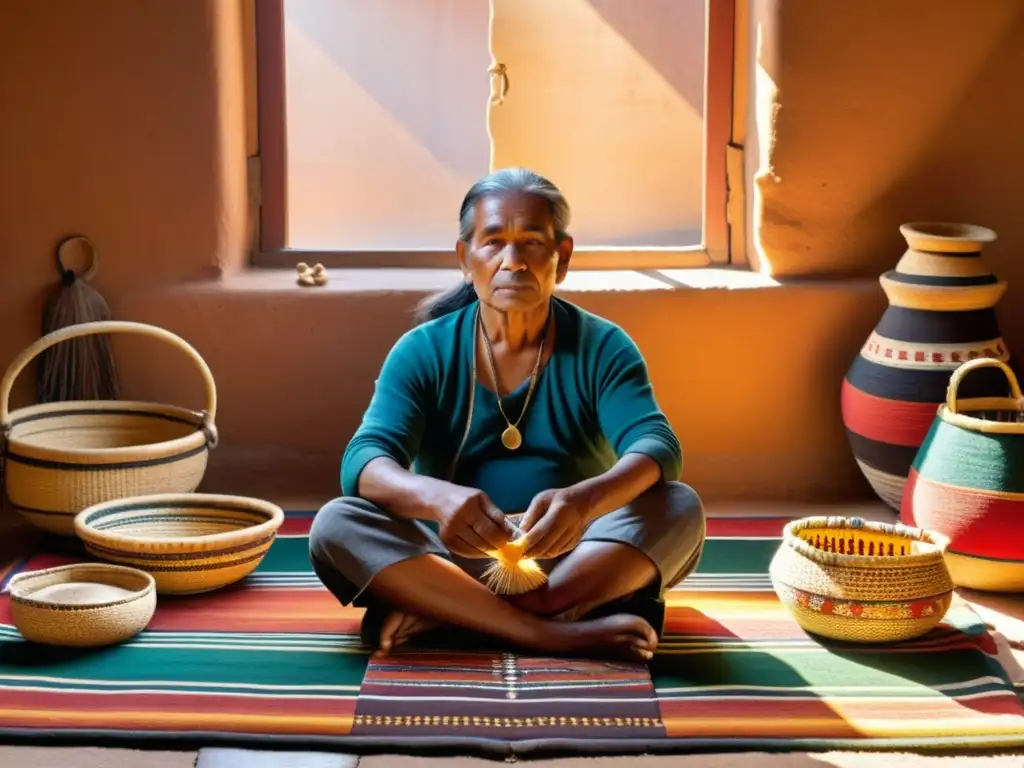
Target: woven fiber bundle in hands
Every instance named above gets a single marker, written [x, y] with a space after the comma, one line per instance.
[81, 368]
[510, 571]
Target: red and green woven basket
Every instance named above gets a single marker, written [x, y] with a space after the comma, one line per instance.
[967, 483]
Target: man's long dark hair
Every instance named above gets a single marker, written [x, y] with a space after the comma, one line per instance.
[499, 182]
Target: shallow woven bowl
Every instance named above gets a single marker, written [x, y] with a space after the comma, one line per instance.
[82, 605]
[190, 543]
[59, 458]
[861, 581]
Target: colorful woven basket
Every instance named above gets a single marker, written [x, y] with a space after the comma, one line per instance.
[967, 482]
[862, 581]
[190, 543]
[82, 605]
[59, 458]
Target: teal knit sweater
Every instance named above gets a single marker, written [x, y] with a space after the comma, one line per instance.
[593, 403]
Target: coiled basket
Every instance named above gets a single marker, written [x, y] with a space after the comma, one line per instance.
[59, 458]
[83, 605]
[862, 581]
[967, 483]
[189, 543]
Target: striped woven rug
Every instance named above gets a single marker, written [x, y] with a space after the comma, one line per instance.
[275, 661]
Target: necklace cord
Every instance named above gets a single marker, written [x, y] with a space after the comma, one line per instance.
[478, 323]
[494, 368]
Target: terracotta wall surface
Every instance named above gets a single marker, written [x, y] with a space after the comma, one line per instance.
[126, 122]
[889, 112]
[755, 403]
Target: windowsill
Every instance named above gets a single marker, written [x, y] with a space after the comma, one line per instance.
[430, 280]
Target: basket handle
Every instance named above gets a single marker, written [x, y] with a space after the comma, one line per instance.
[972, 365]
[106, 326]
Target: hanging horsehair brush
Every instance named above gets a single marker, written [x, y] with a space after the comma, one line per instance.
[510, 573]
[82, 368]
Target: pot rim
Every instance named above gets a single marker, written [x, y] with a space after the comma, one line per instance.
[934, 543]
[20, 586]
[948, 232]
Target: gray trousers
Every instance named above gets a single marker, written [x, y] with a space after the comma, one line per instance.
[352, 540]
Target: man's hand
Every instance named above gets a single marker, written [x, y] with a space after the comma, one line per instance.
[554, 522]
[470, 524]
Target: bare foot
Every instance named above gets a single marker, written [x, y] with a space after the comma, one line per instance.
[398, 627]
[620, 636]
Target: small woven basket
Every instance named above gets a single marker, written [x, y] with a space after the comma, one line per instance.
[862, 581]
[967, 483]
[190, 543]
[83, 605]
[56, 459]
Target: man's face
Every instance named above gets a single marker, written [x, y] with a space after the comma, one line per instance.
[514, 259]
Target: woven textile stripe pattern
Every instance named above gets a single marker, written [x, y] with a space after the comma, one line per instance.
[502, 694]
[275, 660]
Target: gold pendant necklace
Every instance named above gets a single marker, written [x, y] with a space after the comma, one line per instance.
[511, 437]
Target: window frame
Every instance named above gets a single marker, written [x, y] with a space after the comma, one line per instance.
[270, 165]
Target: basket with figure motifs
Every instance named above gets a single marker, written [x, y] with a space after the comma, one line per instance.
[862, 581]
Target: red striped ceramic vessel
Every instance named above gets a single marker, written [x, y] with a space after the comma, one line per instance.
[941, 314]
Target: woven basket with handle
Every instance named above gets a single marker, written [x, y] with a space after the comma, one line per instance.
[862, 581]
[967, 482]
[59, 458]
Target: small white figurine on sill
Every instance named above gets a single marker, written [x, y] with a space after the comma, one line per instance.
[315, 276]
